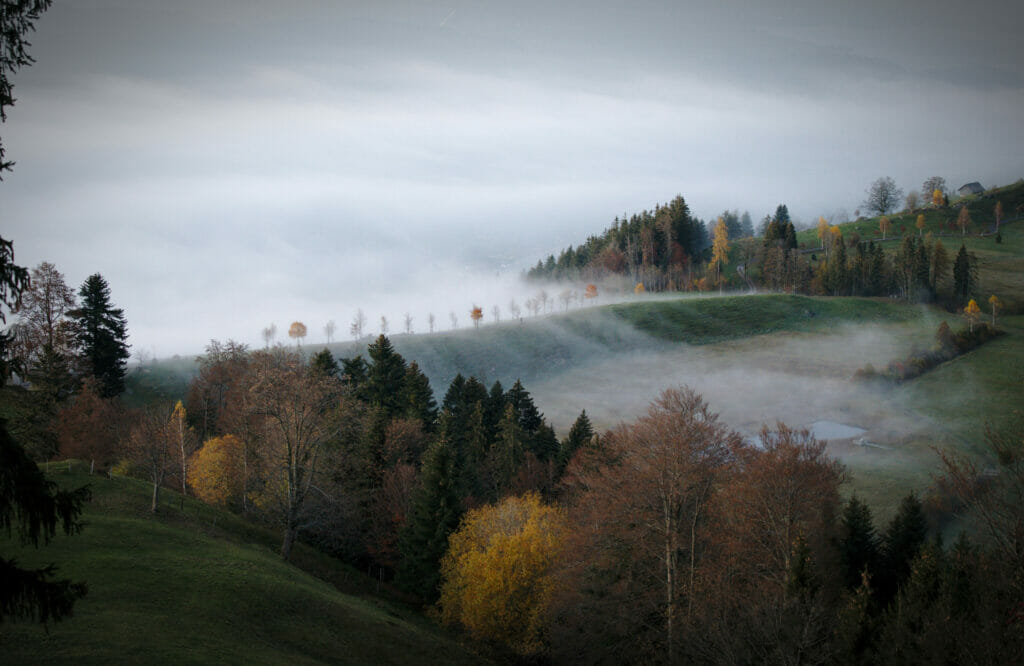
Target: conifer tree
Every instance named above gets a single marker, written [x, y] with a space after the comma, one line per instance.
[901, 544]
[858, 543]
[579, 436]
[529, 418]
[417, 397]
[964, 275]
[101, 332]
[385, 376]
[323, 362]
[435, 513]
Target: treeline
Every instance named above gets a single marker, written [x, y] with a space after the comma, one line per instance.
[655, 247]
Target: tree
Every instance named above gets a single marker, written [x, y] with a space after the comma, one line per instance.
[964, 274]
[45, 306]
[476, 314]
[912, 200]
[269, 333]
[498, 574]
[17, 19]
[296, 332]
[900, 545]
[408, 324]
[883, 196]
[884, 225]
[31, 506]
[301, 413]
[87, 426]
[324, 364]
[591, 291]
[383, 325]
[971, 313]
[998, 214]
[216, 472]
[995, 305]
[185, 442]
[642, 506]
[822, 229]
[430, 322]
[933, 185]
[329, 329]
[920, 224]
[496, 313]
[858, 543]
[580, 434]
[720, 249]
[435, 512]
[101, 332]
[152, 446]
[963, 220]
[454, 319]
[358, 325]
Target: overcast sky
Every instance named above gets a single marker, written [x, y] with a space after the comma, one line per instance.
[226, 165]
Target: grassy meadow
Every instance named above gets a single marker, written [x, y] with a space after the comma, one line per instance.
[198, 585]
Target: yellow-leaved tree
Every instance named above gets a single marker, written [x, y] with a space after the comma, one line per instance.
[476, 314]
[963, 220]
[216, 472]
[971, 313]
[920, 224]
[297, 331]
[938, 198]
[720, 249]
[498, 577]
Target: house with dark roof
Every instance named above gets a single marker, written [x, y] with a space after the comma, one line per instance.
[970, 188]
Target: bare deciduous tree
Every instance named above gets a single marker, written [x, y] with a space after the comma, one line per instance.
[883, 196]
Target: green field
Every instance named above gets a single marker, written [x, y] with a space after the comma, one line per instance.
[202, 586]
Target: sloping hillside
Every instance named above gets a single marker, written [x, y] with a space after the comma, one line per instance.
[199, 585]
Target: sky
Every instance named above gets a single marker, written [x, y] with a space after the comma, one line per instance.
[228, 165]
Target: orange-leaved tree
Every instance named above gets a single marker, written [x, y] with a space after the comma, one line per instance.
[591, 291]
[938, 198]
[996, 305]
[971, 313]
[920, 224]
[216, 472]
[476, 314]
[297, 331]
[963, 220]
[884, 224]
[498, 571]
[639, 288]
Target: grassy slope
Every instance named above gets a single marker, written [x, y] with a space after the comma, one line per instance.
[203, 586]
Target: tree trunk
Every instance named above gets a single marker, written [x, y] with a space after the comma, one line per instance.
[156, 495]
[289, 539]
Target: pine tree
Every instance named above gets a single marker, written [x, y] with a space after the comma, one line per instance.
[353, 375]
[323, 363]
[529, 418]
[385, 376]
[964, 275]
[902, 542]
[417, 398]
[858, 543]
[579, 436]
[101, 333]
[435, 513]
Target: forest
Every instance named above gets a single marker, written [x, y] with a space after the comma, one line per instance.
[669, 538]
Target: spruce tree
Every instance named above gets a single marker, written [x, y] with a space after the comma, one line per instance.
[902, 542]
[101, 332]
[435, 513]
[964, 275]
[353, 375]
[323, 363]
[529, 418]
[385, 376]
[858, 543]
[579, 436]
[417, 398]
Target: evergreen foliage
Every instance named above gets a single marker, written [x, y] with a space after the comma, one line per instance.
[102, 331]
[858, 543]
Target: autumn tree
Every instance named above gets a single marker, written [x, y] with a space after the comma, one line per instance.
[476, 314]
[920, 224]
[883, 196]
[971, 313]
[720, 249]
[998, 214]
[931, 186]
[301, 413]
[297, 331]
[963, 220]
[48, 334]
[152, 446]
[995, 305]
[185, 443]
[216, 471]
[101, 333]
[642, 509]
[87, 426]
[938, 198]
[884, 225]
[499, 572]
